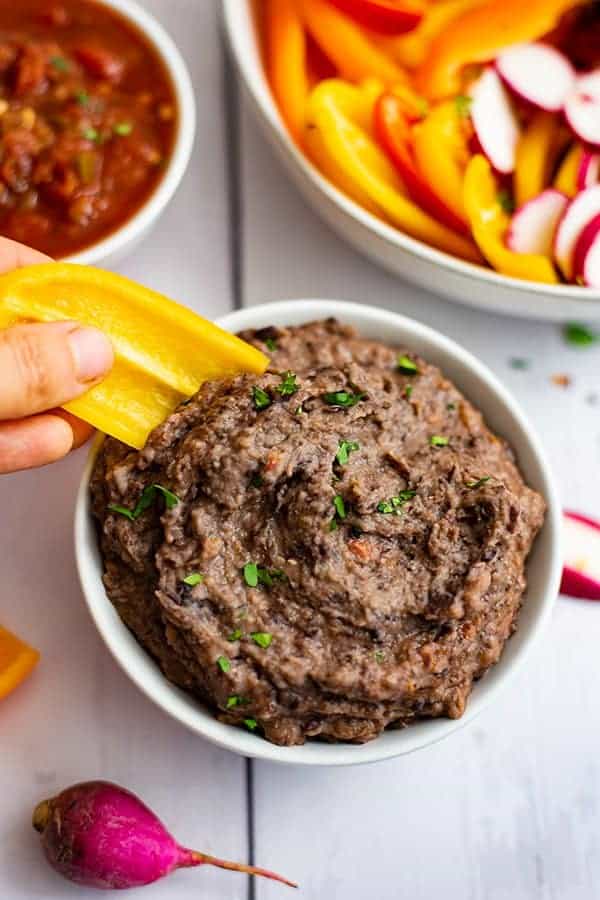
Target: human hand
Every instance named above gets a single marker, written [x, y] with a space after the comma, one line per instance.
[41, 367]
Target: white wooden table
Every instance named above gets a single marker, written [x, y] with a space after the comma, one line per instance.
[508, 808]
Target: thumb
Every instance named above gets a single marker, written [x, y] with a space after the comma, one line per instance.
[46, 365]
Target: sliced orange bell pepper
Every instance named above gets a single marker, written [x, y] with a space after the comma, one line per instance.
[163, 351]
[411, 49]
[478, 35]
[537, 151]
[489, 222]
[351, 150]
[385, 16]
[393, 131]
[286, 62]
[17, 661]
[347, 45]
[566, 177]
[441, 145]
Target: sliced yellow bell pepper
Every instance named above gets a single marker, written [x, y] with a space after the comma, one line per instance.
[17, 660]
[347, 45]
[478, 34]
[411, 49]
[286, 62]
[163, 351]
[537, 151]
[351, 150]
[441, 147]
[489, 223]
[566, 177]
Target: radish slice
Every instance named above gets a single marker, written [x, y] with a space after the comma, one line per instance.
[578, 213]
[533, 226]
[582, 108]
[581, 574]
[494, 120]
[588, 172]
[538, 74]
[586, 259]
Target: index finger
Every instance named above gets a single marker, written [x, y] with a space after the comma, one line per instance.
[14, 255]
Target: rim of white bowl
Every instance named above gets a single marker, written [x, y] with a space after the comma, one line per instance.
[265, 105]
[142, 670]
[145, 217]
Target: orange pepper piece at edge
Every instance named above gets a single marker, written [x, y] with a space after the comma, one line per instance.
[286, 54]
[17, 661]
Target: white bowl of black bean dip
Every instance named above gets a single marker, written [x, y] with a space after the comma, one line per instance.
[97, 122]
[366, 586]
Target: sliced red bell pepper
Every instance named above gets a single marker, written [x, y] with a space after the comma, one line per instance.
[384, 16]
[392, 121]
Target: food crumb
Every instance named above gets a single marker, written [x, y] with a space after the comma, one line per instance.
[519, 362]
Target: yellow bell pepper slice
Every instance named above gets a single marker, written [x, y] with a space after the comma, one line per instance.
[478, 34]
[17, 661]
[411, 49]
[489, 223]
[163, 351]
[286, 62]
[351, 150]
[566, 177]
[537, 151]
[347, 44]
[441, 148]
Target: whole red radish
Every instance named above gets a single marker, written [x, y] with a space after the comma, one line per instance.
[100, 835]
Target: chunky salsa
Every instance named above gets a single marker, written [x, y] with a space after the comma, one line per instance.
[87, 121]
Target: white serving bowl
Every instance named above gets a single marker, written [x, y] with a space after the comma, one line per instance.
[118, 243]
[544, 567]
[412, 259]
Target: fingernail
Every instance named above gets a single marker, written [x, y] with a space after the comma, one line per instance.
[92, 352]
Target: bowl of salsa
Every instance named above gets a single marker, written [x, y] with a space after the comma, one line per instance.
[97, 123]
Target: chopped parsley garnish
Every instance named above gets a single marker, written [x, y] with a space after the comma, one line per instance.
[344, 399]
[236, 700]
[463, 105]
[408, 391]
[478, 482]
[580, 335]
[518, 362]
[251, 724]
[146, 500]
[340, 506]
[299, 410]
[395, 504]
[288, 385]
[235, 635]
[406, 365]
[91, 134]
[439, 440]
[271, 344]
[123, 128]
[224, 664]
[261, 398]
[505, 199]
[379, 656]
[344, 451]
[255, 575]
[262, 638]
[60, 63]
[193, 579]
[82, 97]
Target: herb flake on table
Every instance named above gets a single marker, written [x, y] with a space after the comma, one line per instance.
[580, 335]
[224, 664]
[439, 440]
[344, 450]
[262, 638]
[260, 397]
[407, 366]
[519, 363]
[193, 579]
[395, 504]
[344, 399]
[288, 385]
